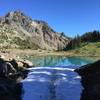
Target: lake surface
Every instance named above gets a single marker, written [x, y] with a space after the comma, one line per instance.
[54, 78]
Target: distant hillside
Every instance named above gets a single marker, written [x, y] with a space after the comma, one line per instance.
[89, 49]
[19, 31]
[80, 41]
[86, 45]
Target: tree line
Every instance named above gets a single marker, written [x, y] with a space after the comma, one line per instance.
[85, 38]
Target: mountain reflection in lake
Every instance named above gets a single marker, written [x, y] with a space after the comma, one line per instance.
[58, 60]
[57, 82]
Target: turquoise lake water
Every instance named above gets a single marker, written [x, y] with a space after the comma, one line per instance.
[59, 60]
[54, 78]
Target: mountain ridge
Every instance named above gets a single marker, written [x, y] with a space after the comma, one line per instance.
[19, 31]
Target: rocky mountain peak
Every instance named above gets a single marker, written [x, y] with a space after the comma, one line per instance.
[33, 33]
[18, 17]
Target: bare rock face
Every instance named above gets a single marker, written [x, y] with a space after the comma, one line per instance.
[19, 31]
[90, 81]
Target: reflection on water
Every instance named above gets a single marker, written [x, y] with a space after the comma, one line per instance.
[58, 60]
[47, 83]
[55, 79]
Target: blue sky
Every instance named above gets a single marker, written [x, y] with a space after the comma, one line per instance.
[69, 16]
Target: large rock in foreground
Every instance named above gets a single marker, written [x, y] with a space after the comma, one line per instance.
[90, 81]
[10, 76]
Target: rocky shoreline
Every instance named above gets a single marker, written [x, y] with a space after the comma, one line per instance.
[90, 79]
[11, 74]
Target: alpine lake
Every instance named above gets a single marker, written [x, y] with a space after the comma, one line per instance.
[54, 78]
